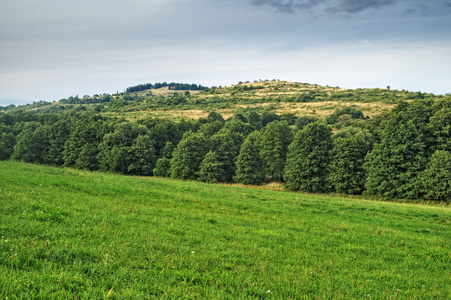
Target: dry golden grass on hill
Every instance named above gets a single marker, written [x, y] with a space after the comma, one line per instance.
[281, 97]
[318, 109]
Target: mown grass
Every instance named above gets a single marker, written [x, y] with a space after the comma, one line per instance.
[73, 234]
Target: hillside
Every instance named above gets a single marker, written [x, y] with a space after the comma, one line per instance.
[75, 234]
[281, 97]
[305, 137]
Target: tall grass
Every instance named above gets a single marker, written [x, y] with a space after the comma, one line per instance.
[73, 234]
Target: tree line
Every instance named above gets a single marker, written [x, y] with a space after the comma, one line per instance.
[403, 154]
[172, 86]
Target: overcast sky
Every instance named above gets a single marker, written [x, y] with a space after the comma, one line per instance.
[53, 49]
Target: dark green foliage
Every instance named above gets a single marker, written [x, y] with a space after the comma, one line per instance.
[354, 113]
[308, 159]
[212, 169]
[127, 150]
[58, 133]
[238, 126]
[239, 117]
[86, 129]
[255, 120]
[420, 112]
[209, 129]
[347, 174]
[168, 150]
[226, 147]
[171, 86]
[436, 179]
[7, 142]
[303, 121]
[162, 131]
[188, 156]
[273, 145]
[440, 125]
[87, 159]
[214, 116]
[142, 155]
[268, 117]
[289, 118]
[394, 164]
[117, 104]
[163, 167]
[249, 165]
[32, 143]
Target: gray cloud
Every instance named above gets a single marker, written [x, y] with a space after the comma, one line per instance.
[331, 6]
[447, 4]
[289, 6]
[419, 8]
[355, 6]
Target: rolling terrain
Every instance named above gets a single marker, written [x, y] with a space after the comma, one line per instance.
[281, 97]
[76, 234]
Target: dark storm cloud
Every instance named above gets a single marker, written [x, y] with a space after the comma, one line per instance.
[333, 7]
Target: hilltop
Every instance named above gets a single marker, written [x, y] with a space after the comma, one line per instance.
[281, 97]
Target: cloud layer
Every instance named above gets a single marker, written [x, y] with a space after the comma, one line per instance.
[329, 6]
[54, 49]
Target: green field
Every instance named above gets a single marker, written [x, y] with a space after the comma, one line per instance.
[70, 234]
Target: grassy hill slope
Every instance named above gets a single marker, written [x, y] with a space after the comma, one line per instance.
[68, 233]
[282, 97]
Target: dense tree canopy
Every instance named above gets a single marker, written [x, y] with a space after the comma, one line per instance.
[394, 164]
[249, 164]
[350, 146]
[273, 145]
[128, 150]
[404, 153]
[308, 159]
[188, 156]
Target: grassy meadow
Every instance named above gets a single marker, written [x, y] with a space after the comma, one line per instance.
[70, 234]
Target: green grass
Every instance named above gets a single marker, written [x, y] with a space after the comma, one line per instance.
[73, 234]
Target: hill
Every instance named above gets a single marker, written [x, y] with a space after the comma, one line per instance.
[281, 97]
[75, 234]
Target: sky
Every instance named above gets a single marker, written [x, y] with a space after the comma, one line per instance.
[53, 49]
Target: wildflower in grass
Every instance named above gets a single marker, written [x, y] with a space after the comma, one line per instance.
[268, 291]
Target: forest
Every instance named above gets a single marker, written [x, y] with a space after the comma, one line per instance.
[404, 153]
[172, 86]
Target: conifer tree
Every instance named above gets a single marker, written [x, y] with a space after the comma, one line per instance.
[308, 159]
[249, 165]
[273, 145]
[226, 150]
